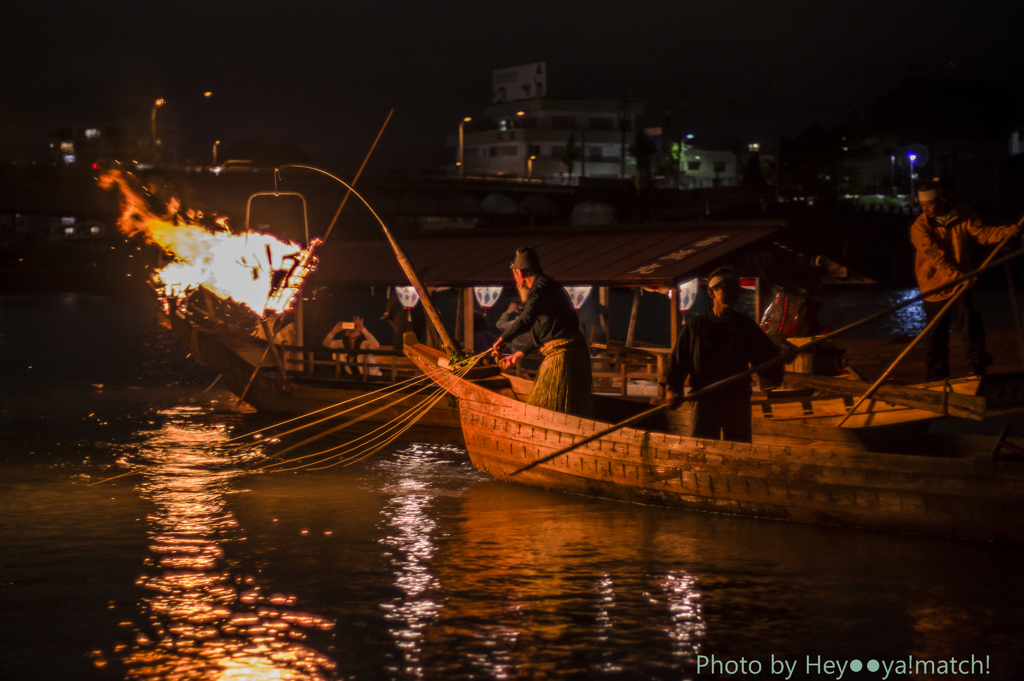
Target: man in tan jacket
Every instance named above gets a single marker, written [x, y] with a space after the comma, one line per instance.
[941, 236]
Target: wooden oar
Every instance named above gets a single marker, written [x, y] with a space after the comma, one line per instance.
[358, 173]
[784, 357]
[927, 329]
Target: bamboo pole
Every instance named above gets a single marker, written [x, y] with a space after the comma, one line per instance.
[451, 346]
[1015, 307]
[784, 357]
[358, 173]
[931, 325]
[256, 369]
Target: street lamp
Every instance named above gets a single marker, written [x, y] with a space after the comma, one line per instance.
[152, 122]
[911, 156]
[526, 155]
[530, 165]
[462, 160]
[215, 145]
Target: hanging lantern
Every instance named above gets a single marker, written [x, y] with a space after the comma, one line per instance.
[688, 291]
[487, 296]
[578, 295]
[408, 296]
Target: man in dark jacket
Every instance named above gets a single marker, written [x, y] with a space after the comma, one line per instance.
[717, 344]
[564, 381]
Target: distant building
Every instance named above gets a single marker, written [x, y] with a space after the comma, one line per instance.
[109, 146]
[550, 139]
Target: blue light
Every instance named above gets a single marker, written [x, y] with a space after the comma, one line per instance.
[912, 156]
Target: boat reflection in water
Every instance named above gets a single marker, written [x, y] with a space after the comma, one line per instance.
[502, 581]
[201, 621]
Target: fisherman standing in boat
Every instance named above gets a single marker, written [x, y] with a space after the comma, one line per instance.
[563, 382]
[713, 346]
[941, 235]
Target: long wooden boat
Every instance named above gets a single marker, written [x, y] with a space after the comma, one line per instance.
[975, 493]
[235, 357]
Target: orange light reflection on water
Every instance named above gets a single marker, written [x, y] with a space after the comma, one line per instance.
[200, 621]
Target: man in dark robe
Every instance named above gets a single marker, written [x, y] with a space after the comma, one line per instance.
[563, 382]
[715, 345]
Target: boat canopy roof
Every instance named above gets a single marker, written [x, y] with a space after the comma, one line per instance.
[637, 255]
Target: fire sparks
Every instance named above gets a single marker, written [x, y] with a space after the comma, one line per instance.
[258, 270]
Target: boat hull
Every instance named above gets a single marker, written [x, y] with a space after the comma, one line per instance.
[975, 497]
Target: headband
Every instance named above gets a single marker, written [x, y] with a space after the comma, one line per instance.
[719, 278]
[929, 194]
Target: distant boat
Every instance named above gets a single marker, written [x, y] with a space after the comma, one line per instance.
[965, 488]
[235, 356]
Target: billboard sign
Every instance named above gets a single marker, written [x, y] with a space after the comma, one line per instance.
[528, 81]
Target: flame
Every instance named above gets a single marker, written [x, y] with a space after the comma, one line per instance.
[258, 270]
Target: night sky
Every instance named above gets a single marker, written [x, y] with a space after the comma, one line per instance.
[323, 75]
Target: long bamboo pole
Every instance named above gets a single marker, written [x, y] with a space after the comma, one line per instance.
[451, 346]
[358, 173]
[784, 357]
[927, 329]
[1015, 308]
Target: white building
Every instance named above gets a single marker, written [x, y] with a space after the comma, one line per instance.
[550, 139]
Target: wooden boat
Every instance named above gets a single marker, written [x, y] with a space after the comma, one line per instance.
[236, 355]
[971, 492]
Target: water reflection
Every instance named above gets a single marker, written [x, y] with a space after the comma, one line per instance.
[409, 533]
[545, 586]
[201, 620]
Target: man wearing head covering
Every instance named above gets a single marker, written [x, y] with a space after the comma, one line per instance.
[563, 382]
[717, 344]
[941, 236]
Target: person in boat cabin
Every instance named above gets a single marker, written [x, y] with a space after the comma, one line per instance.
[717, 344]
[563, 382]
[507, 317]
[356, 337]
[482, 336]
[941, 236]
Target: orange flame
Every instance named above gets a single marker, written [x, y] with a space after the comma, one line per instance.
[258, 270]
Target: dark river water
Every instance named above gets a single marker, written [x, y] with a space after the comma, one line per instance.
[412, 564]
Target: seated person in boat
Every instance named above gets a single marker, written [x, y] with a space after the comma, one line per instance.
[941, 235]
[482, 336]
[717, 344]
[356, 337]
[563, 382]
[507, 317]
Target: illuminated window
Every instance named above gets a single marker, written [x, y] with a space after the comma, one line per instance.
[69, 158]
[92, 132]
[94, 230]
[69, 231]
[67, 221]
[67, 147]
[754, 147]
